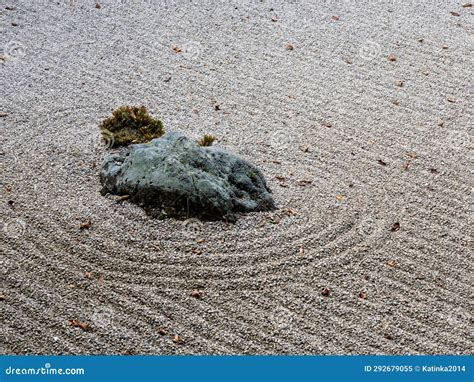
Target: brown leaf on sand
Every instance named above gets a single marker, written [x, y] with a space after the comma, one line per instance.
[326, 124]
[121, 198]
[467, 5]
[97, 5]
[392, 57]
[400, 83]
[304, 183]
[196, 293]
[78, 324]
[274, 19]
[452, 100]
[88, 275]
[395, 227]
[177, 339]
[162, 331]
[86, 224]
[455, 14]
[280, 178]
[406, 165]
[2, 297]
[325, 292]
[301, 251]
[340, 197]
[381, 162]
[289, 47]
[412, 155]
[434, 171]
[200, 241]
[335, 18]
[391, 263]
[363, 295]
[176, 49]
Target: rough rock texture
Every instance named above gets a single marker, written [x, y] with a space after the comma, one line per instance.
[173, 175]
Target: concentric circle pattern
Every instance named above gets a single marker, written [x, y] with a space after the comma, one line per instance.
[369, 250]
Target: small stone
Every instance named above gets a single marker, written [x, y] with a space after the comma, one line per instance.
[325, 292]
[392, 57]
[197, 293]
[400, 83]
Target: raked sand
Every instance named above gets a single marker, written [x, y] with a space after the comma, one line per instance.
[369, 251]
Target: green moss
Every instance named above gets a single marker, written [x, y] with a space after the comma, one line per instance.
[206, 140]
[130, 124]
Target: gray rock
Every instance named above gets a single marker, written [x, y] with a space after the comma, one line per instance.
[174, 176]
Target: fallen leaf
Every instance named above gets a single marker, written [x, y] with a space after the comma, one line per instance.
[370, 141]
[335, 18]
[200, 241]
[467, 5]
[455, 14]
[97, 5]
[339, 197]
[444, 47]
[391, 263]
[167, 79]
[326, 124]
[396, 103]
[301, 251]
[406, 165]
[276, 161]
[176, 49]
[177, 339]
[434, 171]
[381, 162]
[78, 324]
[2, 297]
[388, 336]
[348, 62]
[304, 183]
[400, 83]
[325, 292]
[395, 227]
[452, 100]
[363, 295]
[412, 154]
[86, 224]
[392, 57]
[306, 150]
[88, 275]
[196, 293]
[440, 123]
[8, 8]
[289, 47]
[274, 19]
[14, 24]
[162, 331]
[121, 198]
[280, 178]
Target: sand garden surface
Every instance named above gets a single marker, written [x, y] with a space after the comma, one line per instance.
[358, 115]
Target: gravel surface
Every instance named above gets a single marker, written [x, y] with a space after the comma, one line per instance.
[357, 113]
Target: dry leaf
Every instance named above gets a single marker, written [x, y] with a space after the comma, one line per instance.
[88, 275]
[326, 124]
[78, 324]
[412, 154]
[200, 241]
[335, 18]
[452, 100]
[2, 297]
[86, 224]
[392, 57]
[274, 19]
[197, 293]
[395, 227]
[301, 251]
[176, 49]
[400, 83]
[339, 197]
[162, 331]
[97, 5]
[406, 165]
[434, 171]
[177, 339]
[363, 295]
[121, 198]
[391, 263]
[325, 292]
[381, 162]
[444, 47]
[289, 47]
[467, 5]
[455, 14]
[280, 178]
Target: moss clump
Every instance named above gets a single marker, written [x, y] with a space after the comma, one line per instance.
[206, 140]
[130, 124]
